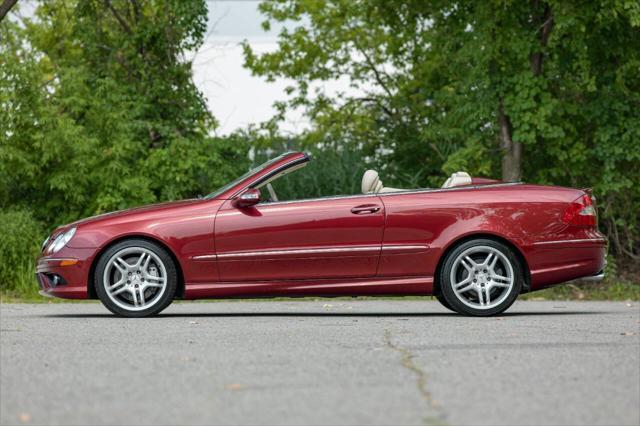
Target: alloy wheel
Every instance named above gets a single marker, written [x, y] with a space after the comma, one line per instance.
[482, 277]
[135, 278]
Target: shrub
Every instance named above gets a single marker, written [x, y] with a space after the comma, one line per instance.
[19, 247]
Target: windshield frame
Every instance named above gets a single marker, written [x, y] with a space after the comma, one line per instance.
[247, 175]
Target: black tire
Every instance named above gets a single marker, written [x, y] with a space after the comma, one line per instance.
[444, 303]
[507, 296]
[171, 279]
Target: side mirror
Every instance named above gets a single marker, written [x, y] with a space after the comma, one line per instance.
[249, 198]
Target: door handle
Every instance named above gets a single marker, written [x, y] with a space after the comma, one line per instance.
[365, 209]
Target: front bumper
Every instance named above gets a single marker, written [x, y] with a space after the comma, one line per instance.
[66, 275]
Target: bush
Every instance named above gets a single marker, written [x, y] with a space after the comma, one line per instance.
[19, 247]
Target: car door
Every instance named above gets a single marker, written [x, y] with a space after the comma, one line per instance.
[306, 239]
[414, 225]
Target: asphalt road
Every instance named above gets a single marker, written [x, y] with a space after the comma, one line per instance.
[327, 362]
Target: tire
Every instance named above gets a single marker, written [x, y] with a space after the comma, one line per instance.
[136, 278]
[481, 277]
[444, 302]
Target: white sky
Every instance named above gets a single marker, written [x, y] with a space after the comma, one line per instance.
[234, 96]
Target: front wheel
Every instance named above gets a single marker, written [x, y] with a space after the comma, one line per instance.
[481, 277]
[136, 278]
[444, 302]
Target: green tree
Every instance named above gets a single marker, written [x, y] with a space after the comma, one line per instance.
[547, 91]
[100, 111]
[5, 7]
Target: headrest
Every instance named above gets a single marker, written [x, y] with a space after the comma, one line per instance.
[371, 182]
[458, 179]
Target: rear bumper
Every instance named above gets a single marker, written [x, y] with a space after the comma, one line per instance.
[593, 278]
[555, 262]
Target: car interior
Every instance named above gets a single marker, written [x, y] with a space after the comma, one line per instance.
[371, 183]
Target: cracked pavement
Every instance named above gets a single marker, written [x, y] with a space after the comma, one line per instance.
[321, 362]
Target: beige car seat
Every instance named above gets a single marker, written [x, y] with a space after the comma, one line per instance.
[457, 179]
[371, 184]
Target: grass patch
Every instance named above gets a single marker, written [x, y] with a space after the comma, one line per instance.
[24, 287]
[615, 291]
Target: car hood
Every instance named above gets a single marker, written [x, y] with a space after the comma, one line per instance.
[121, 214]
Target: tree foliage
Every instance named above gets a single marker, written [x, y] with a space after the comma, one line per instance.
[544, 90]
[100, 111]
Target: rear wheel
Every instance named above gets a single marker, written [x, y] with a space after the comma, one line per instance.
[481, 277]
[136, 278]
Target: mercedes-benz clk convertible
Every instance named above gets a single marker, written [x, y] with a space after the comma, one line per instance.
[475, 244]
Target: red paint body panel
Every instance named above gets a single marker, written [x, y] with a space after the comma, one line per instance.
[326, 287]
[389, 243]
[315, 239]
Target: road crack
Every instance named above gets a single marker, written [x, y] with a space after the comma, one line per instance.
[407, 361]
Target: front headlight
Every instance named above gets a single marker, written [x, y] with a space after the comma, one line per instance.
[61, 240]
[44, 244]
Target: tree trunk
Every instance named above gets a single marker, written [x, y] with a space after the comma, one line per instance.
[511, 150]
[5, 7]
[545, 27]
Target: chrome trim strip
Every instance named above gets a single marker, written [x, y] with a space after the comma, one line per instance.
[57, 259]
[282, 168]
[360, 249]
[592, 278]
[583, 240]
[45, 294]
[399, 247]
[205, 257]
[297, 251]
[391, 194]
[454, 188]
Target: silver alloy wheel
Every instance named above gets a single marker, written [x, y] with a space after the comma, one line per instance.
[135, 278]
[482, 277]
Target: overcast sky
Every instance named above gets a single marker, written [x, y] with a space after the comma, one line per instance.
[235, 97]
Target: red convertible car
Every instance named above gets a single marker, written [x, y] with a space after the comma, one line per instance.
[475, 244]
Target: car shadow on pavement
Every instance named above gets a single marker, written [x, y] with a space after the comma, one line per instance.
[327, 314]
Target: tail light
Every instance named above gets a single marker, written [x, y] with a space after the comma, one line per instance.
[581, 212]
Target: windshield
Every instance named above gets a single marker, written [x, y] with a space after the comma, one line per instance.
[244, 176]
